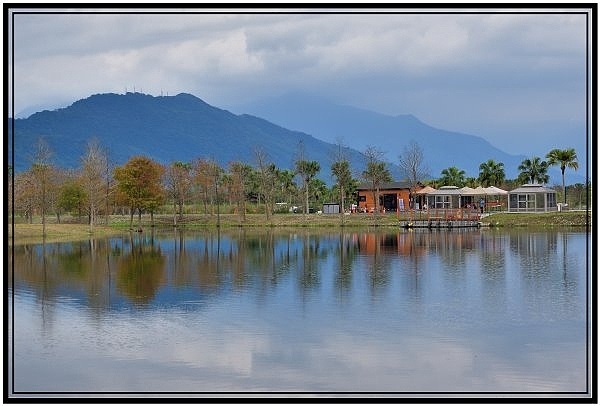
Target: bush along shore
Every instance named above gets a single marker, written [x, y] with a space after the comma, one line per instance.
[68, 230]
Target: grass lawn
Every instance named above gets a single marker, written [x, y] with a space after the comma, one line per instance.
[573, 218]
[69, 231]
[32, 233]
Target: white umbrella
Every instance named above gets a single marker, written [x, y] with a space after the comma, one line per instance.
[493, 190]
[467, 191]
[425, 190]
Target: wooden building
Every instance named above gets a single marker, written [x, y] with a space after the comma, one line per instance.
[394, 196]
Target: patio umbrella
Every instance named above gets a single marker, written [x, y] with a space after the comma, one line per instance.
[467, 191]
[479, 191]
[495, 191]
[425, 190]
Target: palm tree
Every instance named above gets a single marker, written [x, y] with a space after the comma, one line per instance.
[307, 171]
[491, 173]
[452, 176]
[341, 170]
[534, 169]
[564, 158]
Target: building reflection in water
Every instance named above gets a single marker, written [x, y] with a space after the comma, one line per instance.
[183, 266]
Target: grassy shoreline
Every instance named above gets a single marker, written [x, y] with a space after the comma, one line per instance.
[68, 231]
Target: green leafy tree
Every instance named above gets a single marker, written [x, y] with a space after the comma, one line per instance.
[319, 190]
[72, 196]
[491, 173]
[452, 176]
[471, 182]
[534, 170]
[577, 192]
[139, 180]
[287, 187]
[565, 158]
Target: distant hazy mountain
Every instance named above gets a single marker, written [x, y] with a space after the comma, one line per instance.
[360, 128]
[167, 129]
[183, 128]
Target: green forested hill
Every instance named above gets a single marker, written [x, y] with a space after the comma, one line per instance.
[166, 128]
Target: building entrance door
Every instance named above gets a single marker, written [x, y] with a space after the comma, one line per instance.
[389, 202]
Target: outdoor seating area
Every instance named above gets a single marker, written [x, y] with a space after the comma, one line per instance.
[478, 199]
[454, 203]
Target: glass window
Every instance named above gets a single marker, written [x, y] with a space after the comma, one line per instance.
[531, 201]
[442, 202]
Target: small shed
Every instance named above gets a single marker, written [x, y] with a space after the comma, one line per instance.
[331, 208]
[532, 197]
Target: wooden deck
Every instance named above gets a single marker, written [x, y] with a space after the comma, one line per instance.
[442, 218]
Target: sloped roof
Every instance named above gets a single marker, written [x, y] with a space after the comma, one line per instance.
[426, 190]
[448, 190]
[385, 186]
[532, 188]
[493, 190]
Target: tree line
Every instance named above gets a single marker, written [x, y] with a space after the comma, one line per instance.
[143, 186]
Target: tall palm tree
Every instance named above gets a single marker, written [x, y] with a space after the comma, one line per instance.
[307, 171]
[565, 158]
[534, 169]
[491, 173]
[452, 176]
[341, 170]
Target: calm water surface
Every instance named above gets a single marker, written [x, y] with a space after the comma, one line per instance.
[302, 311]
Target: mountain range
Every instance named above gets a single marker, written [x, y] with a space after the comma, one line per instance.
[362, 128]
[184, 127]
[166, 129]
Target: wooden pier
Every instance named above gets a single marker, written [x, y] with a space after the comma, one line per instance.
[441, 218]
[441, 224]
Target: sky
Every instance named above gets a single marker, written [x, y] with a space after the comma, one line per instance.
[516, 77]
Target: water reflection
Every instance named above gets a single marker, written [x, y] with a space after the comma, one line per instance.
[304, 310]
[141, 268]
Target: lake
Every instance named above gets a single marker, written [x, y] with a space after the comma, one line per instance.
[277, 311]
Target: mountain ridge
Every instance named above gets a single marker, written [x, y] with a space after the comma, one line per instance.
[185, 127]
[166, 128]
[360, 128]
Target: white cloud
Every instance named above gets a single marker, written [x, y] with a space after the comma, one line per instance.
[384, 62]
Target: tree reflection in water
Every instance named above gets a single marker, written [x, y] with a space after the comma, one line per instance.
[136, 266]
[141, 271]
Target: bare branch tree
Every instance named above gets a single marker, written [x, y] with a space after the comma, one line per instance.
[42, 174]
[412, 164]
[94, 163]
[376, 172]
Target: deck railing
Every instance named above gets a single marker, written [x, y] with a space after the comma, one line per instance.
[463, 214]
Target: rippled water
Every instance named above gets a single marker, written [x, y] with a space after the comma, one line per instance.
[407, 312]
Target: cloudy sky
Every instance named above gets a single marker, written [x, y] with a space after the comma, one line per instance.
[517, 79]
